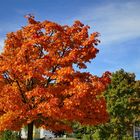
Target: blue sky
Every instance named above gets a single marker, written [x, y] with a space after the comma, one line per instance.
[118, 22]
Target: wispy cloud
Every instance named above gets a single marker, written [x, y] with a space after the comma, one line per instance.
[115, 21]
[119, 25]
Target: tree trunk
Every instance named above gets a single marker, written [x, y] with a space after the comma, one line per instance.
[30, 131]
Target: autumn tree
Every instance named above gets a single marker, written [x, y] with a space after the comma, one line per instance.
[38, 81]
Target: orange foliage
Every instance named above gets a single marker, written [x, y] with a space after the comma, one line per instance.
[38, 80]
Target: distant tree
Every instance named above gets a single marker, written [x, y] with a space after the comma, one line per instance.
[38, 81]
[83, 132]
[9, 135]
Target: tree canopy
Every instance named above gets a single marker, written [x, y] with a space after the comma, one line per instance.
[38, 81]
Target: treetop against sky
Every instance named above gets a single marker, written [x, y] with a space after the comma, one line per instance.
[117, 21]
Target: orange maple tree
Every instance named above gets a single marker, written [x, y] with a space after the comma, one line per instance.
[39, 82]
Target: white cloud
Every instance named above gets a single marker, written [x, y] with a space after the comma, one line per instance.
[116, 22]
[119, 25]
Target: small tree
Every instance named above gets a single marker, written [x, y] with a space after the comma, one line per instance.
[122, 102]
[38, 83]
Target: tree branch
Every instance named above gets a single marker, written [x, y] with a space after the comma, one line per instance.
[22, 94]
